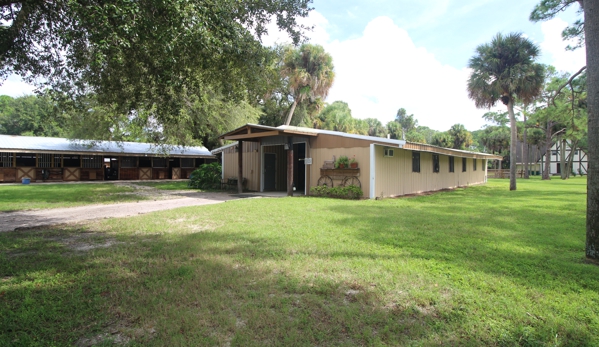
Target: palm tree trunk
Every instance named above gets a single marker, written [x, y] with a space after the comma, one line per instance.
[591, 31]
[526, 149]
[291, 112]
[513, 139]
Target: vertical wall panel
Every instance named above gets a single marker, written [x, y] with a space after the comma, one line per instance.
[394, 176]
[251, 164]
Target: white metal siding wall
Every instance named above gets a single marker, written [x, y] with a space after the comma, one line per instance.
[394, 175]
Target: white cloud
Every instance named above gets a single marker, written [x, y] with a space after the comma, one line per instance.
[553, 47]
[15, 87]
[382, 71]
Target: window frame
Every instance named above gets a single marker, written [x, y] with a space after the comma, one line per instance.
[451, 164]
[464, 164]
[415, 161]
[436, 166]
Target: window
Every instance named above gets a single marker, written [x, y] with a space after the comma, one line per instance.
[159, 162]
[145, 162]
[57, 160]
[187, 162]
[435, 163]
[71, 161]
[25, 159]
[415, 161]
[44, 160]
[6, 159]
[91, 162]
[388, 152]
[554, 153]
[451, 164]
[128, 162]
[463, 164]
[473, 164]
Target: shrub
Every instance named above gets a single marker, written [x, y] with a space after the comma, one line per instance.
[342, 161]
[349, 192]
[207, 176]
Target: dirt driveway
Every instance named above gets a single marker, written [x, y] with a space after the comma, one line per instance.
[158, 200]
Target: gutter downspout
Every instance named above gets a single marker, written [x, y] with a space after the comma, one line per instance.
[372, 172]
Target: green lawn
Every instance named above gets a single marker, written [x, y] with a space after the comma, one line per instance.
[473, 267]
[167, 185]
[34, 196]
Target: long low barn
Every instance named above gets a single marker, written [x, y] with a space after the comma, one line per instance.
[58, 159]
[285, 158]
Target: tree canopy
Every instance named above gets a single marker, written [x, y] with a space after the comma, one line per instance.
[309, 71]
[143, 56]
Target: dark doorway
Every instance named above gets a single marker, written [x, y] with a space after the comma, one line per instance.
[559, 168]
[270, 171]
[111, 168]
[299, 167]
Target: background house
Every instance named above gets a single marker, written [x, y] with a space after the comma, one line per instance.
[579, 162]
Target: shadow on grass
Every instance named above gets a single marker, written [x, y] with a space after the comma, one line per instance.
[232, 286]
[197, 289]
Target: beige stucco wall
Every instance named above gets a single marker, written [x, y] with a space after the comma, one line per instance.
[251, 164]
[394, 175]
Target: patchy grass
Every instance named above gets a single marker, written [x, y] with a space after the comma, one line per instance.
[473, 267]
[36, 196]
[167, 185]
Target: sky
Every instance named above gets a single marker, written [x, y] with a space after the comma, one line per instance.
[391, 54]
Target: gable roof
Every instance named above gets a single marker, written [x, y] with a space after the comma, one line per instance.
[253, 132]
[34, 144]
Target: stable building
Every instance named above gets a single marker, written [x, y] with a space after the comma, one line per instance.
[288, 158]
[46, 159]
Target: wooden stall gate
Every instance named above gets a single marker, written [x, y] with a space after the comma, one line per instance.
[8, 175]
[145, 173]
[176, 173]
[25, 172]
[71, 174]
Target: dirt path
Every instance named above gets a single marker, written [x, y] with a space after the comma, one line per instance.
[164, 200]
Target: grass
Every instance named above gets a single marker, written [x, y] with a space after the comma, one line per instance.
[41, 196]
[473, 267]
[167, 185]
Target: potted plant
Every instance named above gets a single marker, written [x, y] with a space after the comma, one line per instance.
[342, 162]
[353, 163]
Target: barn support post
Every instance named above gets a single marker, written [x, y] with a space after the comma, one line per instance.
[240, 167]
[290, 166]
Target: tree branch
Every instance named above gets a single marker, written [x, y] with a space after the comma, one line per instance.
[565, 84]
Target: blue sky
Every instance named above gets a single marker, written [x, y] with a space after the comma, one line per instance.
[413, 54]
[450, 30]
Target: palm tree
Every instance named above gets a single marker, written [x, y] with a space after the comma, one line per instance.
[505, 70]
[460, 137]
[309, 71]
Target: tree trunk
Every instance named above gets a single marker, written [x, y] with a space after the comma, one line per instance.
[291, 112]
[591, 30]
[546, 175]
[570, 161]
[562, 158]
[526, 149]
[513, 139]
